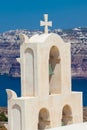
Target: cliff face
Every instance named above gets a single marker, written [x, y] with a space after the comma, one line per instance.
[9, 50]
[15, 69]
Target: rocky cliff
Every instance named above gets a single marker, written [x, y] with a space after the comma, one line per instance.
[9, 50]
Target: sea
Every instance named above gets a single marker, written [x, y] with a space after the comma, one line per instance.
[6, 82]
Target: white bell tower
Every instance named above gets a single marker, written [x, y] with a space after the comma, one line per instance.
[46, 98]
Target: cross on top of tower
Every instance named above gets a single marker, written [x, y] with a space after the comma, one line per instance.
[46, 23]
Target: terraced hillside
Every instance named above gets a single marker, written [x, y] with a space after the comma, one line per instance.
[9, 50]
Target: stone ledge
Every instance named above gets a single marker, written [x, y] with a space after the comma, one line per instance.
[80, 126]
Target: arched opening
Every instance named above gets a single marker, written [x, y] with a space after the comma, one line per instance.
[67, 115]
[29, 75]
[54, 71]
[17, 117]
[44, 119]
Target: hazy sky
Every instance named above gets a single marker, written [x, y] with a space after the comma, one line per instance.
[26, 14]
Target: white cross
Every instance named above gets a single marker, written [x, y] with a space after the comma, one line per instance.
[46, 23]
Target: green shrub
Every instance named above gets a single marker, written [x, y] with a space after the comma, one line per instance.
[3, 117]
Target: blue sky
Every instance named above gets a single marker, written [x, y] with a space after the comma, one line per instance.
[26, 14]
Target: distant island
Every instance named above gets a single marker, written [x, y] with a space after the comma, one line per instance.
[9, 50]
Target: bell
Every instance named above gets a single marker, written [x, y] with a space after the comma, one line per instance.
[50, 70]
